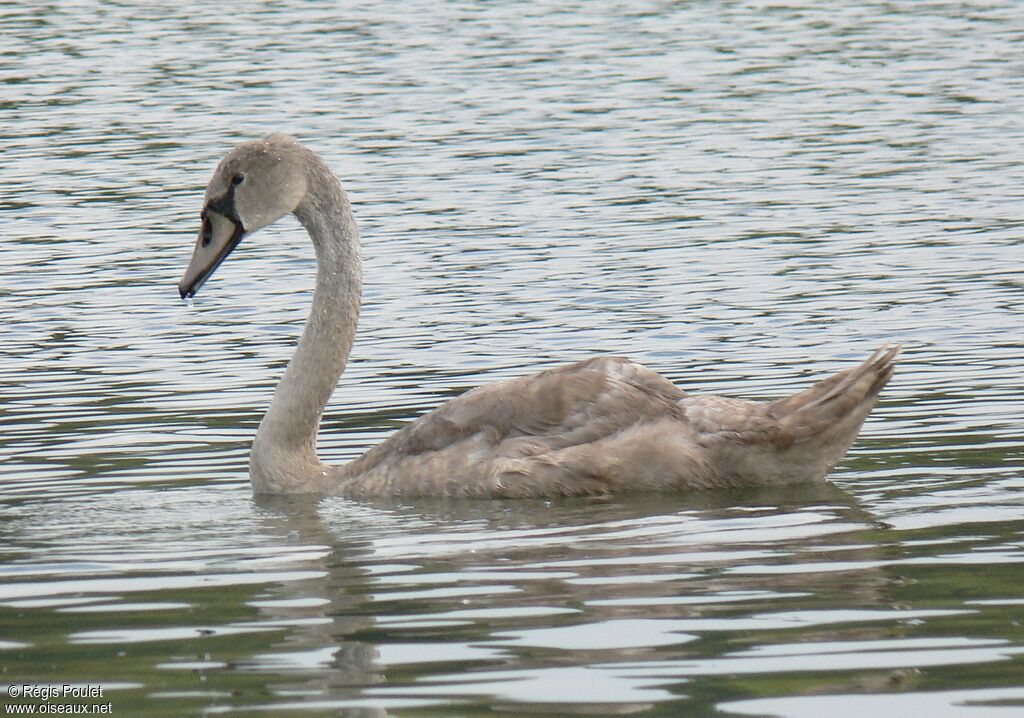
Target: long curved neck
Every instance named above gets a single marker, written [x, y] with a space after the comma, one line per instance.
[283, 457]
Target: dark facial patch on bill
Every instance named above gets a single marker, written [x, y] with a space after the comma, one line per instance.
[225, 205]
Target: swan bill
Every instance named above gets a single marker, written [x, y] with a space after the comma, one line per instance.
[218, 236]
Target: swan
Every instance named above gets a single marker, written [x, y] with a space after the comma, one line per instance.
[598, 426]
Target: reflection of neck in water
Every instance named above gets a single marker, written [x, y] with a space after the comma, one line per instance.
[321, 613]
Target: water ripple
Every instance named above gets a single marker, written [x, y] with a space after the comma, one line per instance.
[742, 196]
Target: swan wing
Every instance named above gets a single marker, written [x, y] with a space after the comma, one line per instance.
[609, 424]
[573, 404]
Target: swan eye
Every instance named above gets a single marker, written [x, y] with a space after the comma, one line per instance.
[237, 178]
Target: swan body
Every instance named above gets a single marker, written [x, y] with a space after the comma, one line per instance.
[602, 425]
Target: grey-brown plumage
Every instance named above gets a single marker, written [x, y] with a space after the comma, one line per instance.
[597, 426]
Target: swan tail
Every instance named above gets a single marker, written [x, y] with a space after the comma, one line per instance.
[823, 421]
[839, 403]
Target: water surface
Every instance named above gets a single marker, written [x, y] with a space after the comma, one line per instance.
[743, 196]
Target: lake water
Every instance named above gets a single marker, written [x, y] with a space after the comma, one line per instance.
[743, 196]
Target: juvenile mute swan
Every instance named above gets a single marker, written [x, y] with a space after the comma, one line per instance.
[602, 425]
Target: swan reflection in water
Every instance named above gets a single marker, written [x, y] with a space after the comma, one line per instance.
[475, 600]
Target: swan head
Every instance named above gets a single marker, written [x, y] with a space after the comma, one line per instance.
[256, 184]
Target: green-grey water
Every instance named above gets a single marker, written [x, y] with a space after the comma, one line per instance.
[743, 196]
